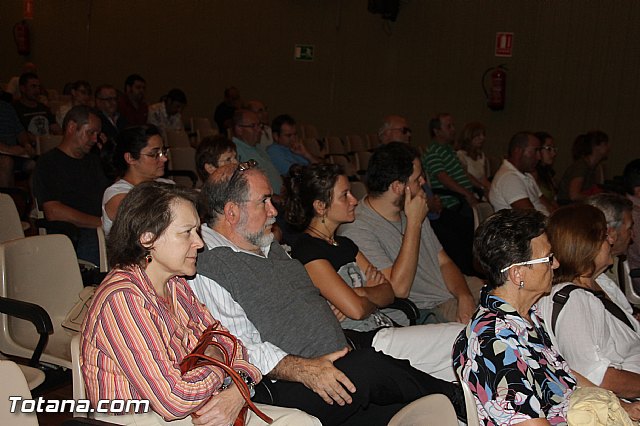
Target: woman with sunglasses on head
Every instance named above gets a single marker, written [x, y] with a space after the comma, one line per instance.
[544, 173]
[505, 355]
[139, 156]
[598, 338]
[144, 320]
[319, 202]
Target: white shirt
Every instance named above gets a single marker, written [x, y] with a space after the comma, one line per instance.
[510, 185]
[589, 337]
[218, 300]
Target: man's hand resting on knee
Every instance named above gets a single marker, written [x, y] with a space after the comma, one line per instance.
[318, 374]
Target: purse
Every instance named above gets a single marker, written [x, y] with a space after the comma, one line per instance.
[197, 358]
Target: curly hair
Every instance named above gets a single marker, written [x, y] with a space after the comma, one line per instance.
[390, 162]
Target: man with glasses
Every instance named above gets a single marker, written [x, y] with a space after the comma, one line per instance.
[68, 183]
[287, 149]
[513, 186]
[246, 135]
[268, 301]
[395, 128]
[107, 106]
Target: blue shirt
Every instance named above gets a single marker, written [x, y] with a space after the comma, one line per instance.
[247, 152]
[10, 125]
[283, 158]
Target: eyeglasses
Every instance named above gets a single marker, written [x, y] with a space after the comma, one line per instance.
[548, 259]
[245, 165]
[157, 154]
[250, 126]
[549, 148]
[404, 130]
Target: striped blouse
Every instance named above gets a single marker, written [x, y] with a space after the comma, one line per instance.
[133, 341]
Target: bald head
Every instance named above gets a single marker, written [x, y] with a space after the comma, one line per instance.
[395, 128]
[246, 126]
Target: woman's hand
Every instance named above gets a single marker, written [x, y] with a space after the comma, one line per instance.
[632, 409]
[221, 410]
[374, 276]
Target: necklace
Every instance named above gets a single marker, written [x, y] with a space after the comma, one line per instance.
[326, 237]
[387, 220]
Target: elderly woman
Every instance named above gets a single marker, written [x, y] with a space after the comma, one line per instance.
[139, 157]
[144, 320]
[505, 355]
[594, 332]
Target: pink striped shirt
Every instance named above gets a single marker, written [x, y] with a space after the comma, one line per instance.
[133, 341]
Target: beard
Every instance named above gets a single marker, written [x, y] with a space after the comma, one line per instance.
[262, 238]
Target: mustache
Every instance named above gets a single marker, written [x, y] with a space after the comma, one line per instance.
[270, 222]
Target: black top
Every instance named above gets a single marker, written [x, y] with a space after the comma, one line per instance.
[307, 249]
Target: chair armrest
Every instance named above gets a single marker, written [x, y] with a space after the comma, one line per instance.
[34, 314]
[407, 307]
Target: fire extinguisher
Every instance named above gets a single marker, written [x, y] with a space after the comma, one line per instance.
[22, 38]
[496, 92]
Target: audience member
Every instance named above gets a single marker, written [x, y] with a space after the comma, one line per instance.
[442, 164]
[631, 179]
[214, 152]
[35, 117]
[472, 157]
[513, 187]
[223, 115]
[596, 335]
[319, 202]
[391, 231]
[68, 183]
[246, 134]
[513, 370]
[287, 149]
[395, 128]
[544, 173]
[266, 138]
[80, 92]
[131, 104]
[139, 156]
[15, 148]
[268, 300]
[167, 114]
[144, 320]
[107, 105]
[13, 85]
[585, 175]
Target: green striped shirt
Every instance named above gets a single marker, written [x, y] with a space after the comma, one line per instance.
[442, 158]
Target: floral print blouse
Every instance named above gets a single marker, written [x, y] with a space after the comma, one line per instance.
[513, 371]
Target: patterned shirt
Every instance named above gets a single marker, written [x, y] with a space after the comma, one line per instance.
[443, 158]
[511, 367]
[133, 341]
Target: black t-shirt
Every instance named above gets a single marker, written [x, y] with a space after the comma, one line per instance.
[76, 183]
[35, 120]
[308, 248]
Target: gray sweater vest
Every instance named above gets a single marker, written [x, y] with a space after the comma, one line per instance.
[278, 297]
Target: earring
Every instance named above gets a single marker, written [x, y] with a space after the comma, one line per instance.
[521, 285]
[323, 218]
[148, 258]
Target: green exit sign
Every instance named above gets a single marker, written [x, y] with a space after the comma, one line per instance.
[303, 52]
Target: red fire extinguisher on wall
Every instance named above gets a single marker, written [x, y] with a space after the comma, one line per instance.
[496, 91]
[22, 38]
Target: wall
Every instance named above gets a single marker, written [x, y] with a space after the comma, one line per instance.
[575, 64]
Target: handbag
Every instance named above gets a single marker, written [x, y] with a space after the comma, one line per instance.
[593, 406]
[197, 358]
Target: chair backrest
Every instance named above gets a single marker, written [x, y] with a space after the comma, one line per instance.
[363, 158]
[79, 391]
[47, 143]
[629, 290]
[470, 405]
[10, 225]
[481, 212]
[177, 138]
[355, 143]
[436, 408]
[335, 145]
[14, 384]
[359, 190]
[102, 249]
[44, 270]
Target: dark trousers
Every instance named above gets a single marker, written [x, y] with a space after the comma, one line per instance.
[455, 232]
[383, 386]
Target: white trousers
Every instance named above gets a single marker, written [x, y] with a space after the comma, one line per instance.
[427, 347]
[281, 417]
